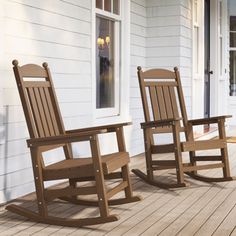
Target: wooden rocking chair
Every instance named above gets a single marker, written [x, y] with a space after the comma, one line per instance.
[47, 132]
[165, 112]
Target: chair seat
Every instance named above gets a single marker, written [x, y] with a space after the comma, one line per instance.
[83, 167]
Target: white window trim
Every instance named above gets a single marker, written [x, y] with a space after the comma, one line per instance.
[121, 113]
[198, 78]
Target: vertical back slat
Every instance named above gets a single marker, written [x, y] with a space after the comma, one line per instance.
[169, 109]
[181, 97]
[161, 102]
[173, 102]
[52, 111]
[35, 111]
[41, 112]
[154, 102]
[47, 112]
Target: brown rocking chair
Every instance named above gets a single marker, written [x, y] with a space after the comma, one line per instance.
[165, 112]
[47, 132]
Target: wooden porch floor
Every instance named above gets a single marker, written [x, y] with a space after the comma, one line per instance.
[201, 209]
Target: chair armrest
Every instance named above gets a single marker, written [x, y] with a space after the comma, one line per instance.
[159, 123]
[63, 138]
[210, 120]
[105, 128]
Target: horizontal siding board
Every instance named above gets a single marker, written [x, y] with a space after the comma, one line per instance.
[37, 16]
[138, 30]
[16, 178]
[139, 20]
[58, 7]
[14, 148]
[57, 65]
[163, 41]
[163, 61]
[15, 163]
[46, 49]
[163, 31]
[138, 51]
[46, 33]
[163, 51]
[80, 3]
[137, 60]
[164, 11]
[163, 21]
[138, 40]
[13, 193]
[138, 9]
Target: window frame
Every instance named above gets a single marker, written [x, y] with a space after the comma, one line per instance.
[121, 110]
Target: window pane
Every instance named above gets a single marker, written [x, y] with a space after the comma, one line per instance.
[107, 5]
[232, 23]
[99, 4]
[233, 40]
[232, 73]
[116, 7]
[105, 63]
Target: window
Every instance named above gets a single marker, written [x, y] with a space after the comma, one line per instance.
[196, 37]
[232, 54]
[108, 44]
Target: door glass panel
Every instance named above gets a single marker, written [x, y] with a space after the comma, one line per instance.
[116, 7]
[99, 4]
[233, 39]
[233, 73]
[107, 5]
[105, 94]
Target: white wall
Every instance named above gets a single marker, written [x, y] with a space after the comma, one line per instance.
[137, 58]
[55, 31]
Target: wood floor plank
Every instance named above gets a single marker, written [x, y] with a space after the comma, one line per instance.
[228, 225]
[215, 219]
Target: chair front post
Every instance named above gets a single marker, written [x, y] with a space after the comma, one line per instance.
[224, 151]
[99, 177]
[36, 156]
[147, 143]
[124, 169]
[178, 152]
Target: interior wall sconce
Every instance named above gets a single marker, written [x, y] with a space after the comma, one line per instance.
[101, 42]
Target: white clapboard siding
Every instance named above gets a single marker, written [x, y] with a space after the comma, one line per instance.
[46, 33]
[138, 58]
[34, 15]
[58, 32]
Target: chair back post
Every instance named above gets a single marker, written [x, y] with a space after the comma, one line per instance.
[24, 101]
[143, 94]
[181, 97]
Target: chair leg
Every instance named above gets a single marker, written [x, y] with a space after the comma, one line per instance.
[224, 151]
[99, 178]
[148, 154]
[190, 137]
[126, 177]
[38, 179]
[193, 163]
[129, 197]
[178, 153]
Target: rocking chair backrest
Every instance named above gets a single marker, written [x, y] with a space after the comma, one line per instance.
[162, 95]
[38, 99]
